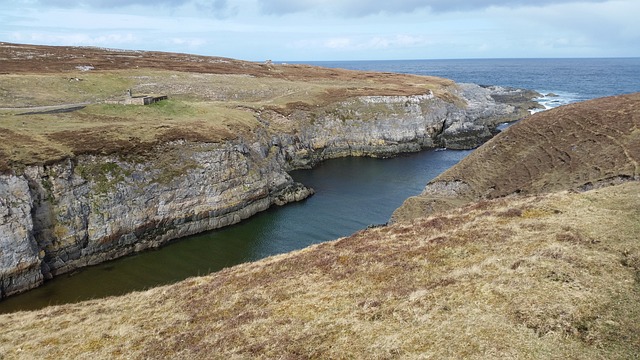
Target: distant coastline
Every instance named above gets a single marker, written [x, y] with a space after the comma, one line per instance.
[574, 79]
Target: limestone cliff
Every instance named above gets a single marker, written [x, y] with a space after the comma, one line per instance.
[19, 255]
[383, 126]
[91, 208]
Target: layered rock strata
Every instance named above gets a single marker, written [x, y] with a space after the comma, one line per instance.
[89, 209]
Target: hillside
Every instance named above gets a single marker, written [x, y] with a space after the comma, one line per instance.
[554, 276]
[578, 147]
[87, 177]
[530, 271]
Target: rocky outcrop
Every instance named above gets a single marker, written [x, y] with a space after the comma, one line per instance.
[89, 209]
[384, 126]
[19, 254]
[478, 123]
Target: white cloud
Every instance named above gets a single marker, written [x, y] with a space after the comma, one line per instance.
[396, 41]
[349, 8]
[188, 42]
[334, 29]
[75, 39]
[594, 29]
[338, 43]
[345, 8]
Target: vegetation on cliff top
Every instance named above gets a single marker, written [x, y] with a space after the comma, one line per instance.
[211, 99]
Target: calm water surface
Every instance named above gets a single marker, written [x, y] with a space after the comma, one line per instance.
[351, 194]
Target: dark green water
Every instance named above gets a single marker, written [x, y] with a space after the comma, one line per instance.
[351, 193]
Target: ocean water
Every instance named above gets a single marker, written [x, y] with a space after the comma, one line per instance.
[571, 79]
[351, 193]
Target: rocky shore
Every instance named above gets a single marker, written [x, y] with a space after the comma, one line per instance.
[87, 209]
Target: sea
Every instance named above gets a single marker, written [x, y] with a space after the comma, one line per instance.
[571, 80]
[351, 193]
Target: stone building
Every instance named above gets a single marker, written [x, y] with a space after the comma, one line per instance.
[142, 99]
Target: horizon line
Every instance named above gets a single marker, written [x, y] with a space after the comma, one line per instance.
[470, 58]
[332, 60]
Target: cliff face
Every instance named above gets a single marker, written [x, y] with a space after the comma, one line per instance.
[89, 209]
[19, 255]
[383, 126]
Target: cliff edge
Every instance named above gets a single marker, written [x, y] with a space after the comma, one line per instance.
[89, 183]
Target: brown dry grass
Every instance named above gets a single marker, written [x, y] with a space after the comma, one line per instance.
[211, 99]
[568, 147]
[579, 146]
[552, 276]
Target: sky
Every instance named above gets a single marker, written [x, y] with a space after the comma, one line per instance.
[325, 30]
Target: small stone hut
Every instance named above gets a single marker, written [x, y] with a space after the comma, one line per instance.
[142, 99]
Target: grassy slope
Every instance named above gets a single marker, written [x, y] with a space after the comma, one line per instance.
[572, 147]
[554, 276]
[211, 99]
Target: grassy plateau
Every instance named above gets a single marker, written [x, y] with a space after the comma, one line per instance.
[211, 99]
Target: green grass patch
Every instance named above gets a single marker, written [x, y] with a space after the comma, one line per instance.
[162, 109]
[54, 89]
[105, 175]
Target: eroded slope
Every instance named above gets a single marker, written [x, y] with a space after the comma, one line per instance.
[578, 146]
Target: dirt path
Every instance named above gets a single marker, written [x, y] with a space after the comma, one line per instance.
[49, 109]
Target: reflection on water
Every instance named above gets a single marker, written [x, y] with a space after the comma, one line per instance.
[351, 193]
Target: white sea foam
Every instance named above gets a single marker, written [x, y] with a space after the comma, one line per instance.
[552, 99]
